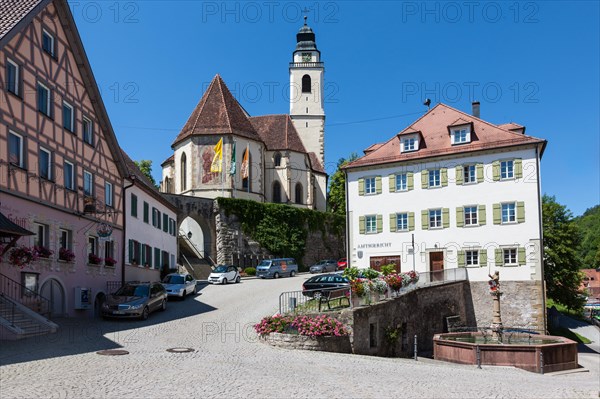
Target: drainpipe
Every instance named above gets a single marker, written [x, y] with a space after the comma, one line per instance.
[124, 246]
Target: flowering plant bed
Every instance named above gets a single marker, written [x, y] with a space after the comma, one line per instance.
[94, 259]
[66, 255]
[22, 256]
[394, 281]
[110, 261]
[318, 326]
[43, 252]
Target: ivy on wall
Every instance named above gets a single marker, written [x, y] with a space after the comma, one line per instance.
[281, 229]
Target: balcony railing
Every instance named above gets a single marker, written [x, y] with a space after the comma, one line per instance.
[306, 65]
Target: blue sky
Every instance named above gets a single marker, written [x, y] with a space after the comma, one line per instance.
[534, 63]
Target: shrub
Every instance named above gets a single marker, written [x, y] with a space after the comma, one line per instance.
[388, 269]
[370, 273]
[277, 323]
[250, 271]
[351, 273]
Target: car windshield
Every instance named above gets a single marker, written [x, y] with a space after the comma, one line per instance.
[265, 263]
[173, 279]
[221, 269]
[322, 262]
[132, 290]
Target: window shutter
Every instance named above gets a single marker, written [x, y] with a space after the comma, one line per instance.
[378, 184]
[446, 217]
[392, 183]
[460, 217]
[479, 170]
[459, 175]
[379, 223]
[425, 220]
[411, 221]
[424, 178]
[149, 254]
[499, 258]
[361, 225]
[481, 215]
[521, 256]
[462, 262]
[496, 170]
[140, 249]
[518, 165]
[361, 186]
[130, 251]
[444, 176]
[497, 214]
[520, 211]
[410, 180]
[393, 222]
[143, 254]
[482, 257]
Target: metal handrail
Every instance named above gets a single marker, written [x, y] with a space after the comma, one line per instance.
[196, 250]
[23, 295]
[290, 301]
[13, 307]
[189, 266]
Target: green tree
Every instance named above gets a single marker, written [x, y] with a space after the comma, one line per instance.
[589, 225]
[561, 261]
[145, 165]
[336, 198]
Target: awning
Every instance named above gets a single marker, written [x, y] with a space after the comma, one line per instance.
[10, 232]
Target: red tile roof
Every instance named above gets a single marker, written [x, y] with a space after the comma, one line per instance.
[169, 160]
[135, 171]
[218, 112]
[435, 140]
[278, 132]
[13, 11]
[315, 164]
[372, 148]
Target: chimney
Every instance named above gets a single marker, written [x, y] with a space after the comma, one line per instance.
[476, 112]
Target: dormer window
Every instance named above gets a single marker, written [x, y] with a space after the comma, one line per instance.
[461, 135]
[409, 143]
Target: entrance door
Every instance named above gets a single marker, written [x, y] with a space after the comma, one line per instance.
[53, 291]
[436, 265]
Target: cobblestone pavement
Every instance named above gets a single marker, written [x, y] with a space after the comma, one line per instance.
[229, 362]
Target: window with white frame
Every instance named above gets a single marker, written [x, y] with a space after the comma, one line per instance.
[435, 218]
[108, 194]
[470, 215]
[370, 185]
[48, 42]
[461, 136]
[68, 117]
[15, 149]
[402, 222]
[41, 235]
[509, 212]
[401, 182]
[409, 144]
[69, 175]
[510, 256]
[45, 164]
[435, 178]
[507, 169]
[65, 239]
[88, 131]
[371, 224]
[44, 99]
[472, 258]
[13, 78]
[470, 175]
[92, 245]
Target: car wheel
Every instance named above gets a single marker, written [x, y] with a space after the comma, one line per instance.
[317, 295]
[224, 281]
[276, 275]
[292, 273]
[238, 279]
[145, 313]
[163, 305]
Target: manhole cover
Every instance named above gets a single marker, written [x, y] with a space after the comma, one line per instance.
[113, 352]
[180, 350]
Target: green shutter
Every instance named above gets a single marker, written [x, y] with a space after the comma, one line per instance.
[499, 258]
[460, 217]
[393, 222]
[378, 184]
[521, 256]
[140, 249]
[482, 257]
[424, 178]
[130, 251]
[446, 217]
[361, 186]
[379, 223]
[459, 174]
[462, 262]
[143, 254]
[479, 170]
[392, 183]
[362, 225]
[520, 211]
[518, 167]
[410, 180]
[146, 211]
[134, 212]
[444, 176]
[481, 215]
[165, 223]
[156, 258]
[497, 214]
[496, 170]
[411, 221]
[149, 254]
[425, 220]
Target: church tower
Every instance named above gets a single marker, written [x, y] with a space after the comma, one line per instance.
[306, 92]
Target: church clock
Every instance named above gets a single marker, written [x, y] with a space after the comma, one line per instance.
[306, 57]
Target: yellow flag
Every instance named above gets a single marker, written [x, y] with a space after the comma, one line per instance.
[217, 161]
[245, 171]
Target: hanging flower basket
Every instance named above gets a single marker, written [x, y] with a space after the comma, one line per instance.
[66, 255]
[94, 259]
[110, 261]
[22, 256]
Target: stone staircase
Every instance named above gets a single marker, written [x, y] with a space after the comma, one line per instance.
[198, 267]
[18, 321]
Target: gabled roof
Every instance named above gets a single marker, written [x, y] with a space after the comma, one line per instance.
[15, 11]
[433, 127]
[218, 112]
[315, 164]
[513, 127]
[169, 160]
[278, 132]
[372, 148]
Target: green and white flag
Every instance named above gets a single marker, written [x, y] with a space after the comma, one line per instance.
[233, 166]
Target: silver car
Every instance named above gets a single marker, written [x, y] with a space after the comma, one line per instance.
[179, 285]
[135, 300]
[324, 266]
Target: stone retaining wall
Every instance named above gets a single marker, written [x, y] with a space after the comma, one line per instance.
[292, 341]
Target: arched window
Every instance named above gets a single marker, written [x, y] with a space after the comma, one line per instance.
[299, 193]
[167, 186]
[183, 172]
[277, 159]
[306, 86]
[246, 171]
[276, 192]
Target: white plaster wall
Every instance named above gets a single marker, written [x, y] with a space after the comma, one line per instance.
[186, 147]
[320, 200]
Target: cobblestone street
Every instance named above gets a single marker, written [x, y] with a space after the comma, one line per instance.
[228, 361]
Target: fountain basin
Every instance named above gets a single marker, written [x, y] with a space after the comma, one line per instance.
[537, 353]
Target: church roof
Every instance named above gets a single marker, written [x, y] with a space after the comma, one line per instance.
[278, 132]
[218, 112]
[315, 163]
[169, 160]
[305, 38]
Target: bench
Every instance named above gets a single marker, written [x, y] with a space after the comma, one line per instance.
[328, 295]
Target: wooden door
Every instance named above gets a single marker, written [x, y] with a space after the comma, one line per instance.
[436, 265]
[377, 261]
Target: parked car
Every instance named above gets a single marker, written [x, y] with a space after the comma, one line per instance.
[324, 266]
[224, 274]
[316, 285]
[342, 264]
[135, 300]
[275, 268]
[179, 284]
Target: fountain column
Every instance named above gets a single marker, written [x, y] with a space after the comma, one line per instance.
[496, 326]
